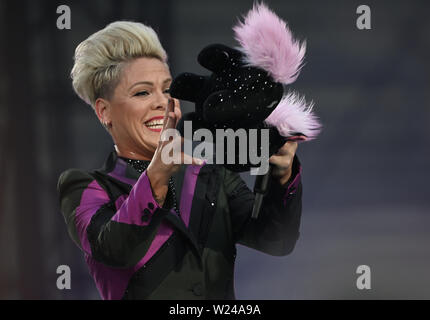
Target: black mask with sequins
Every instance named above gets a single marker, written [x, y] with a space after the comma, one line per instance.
[233, 96]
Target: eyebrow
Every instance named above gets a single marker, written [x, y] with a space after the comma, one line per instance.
[148, 83]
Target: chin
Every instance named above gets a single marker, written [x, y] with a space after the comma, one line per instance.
[153, 141]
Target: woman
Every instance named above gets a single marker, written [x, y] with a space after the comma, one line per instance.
[151, 230]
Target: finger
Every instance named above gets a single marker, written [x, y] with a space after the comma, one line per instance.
[291, 146]
[187, 159]
[170, 146]
[281, 161]
[169, 116]
[184, 158]
[175, 146]
[168, 134]
[278, 172]
[177, 110]
[288, 148]
[275, 159]
[177, 143]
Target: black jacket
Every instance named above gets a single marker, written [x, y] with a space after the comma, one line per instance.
[137, 250]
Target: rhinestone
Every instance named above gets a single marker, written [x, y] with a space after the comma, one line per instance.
[142, 165]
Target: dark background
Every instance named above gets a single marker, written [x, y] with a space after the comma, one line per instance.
[366, 195]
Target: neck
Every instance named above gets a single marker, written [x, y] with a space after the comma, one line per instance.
[126, 153]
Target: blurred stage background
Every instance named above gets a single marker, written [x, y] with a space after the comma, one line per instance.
[366, 195]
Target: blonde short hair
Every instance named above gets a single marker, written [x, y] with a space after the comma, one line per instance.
[99, 59]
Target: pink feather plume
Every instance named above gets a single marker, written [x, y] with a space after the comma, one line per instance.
[267, 43]
[293, 115]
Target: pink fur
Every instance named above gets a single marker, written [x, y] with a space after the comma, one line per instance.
[294, 115]
[267, 43]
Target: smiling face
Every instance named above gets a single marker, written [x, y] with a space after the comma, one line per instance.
[136, 109]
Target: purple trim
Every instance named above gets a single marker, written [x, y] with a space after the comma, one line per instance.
[92, 199]
[188, 188]
[292, 187]
[119, 172]
[163, 234]
[136, 203]
[165, 231]
[119, 201]
[112, 282]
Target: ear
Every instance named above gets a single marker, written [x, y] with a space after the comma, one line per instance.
[103, 111]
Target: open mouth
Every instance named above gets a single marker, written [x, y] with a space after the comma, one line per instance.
[155, 124]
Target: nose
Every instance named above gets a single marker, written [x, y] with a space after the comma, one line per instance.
[161, 101]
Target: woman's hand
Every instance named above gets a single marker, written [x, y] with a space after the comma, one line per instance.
[283, 161]
[158, 171]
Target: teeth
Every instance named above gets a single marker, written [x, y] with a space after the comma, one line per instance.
[155, 127]
[155, 123]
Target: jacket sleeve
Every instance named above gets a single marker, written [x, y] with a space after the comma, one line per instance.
[116, 233]
[276, 229]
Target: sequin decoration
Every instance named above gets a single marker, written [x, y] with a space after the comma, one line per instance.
[170, 202]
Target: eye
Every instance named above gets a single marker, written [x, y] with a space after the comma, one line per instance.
[167, 91]
[142, 93]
